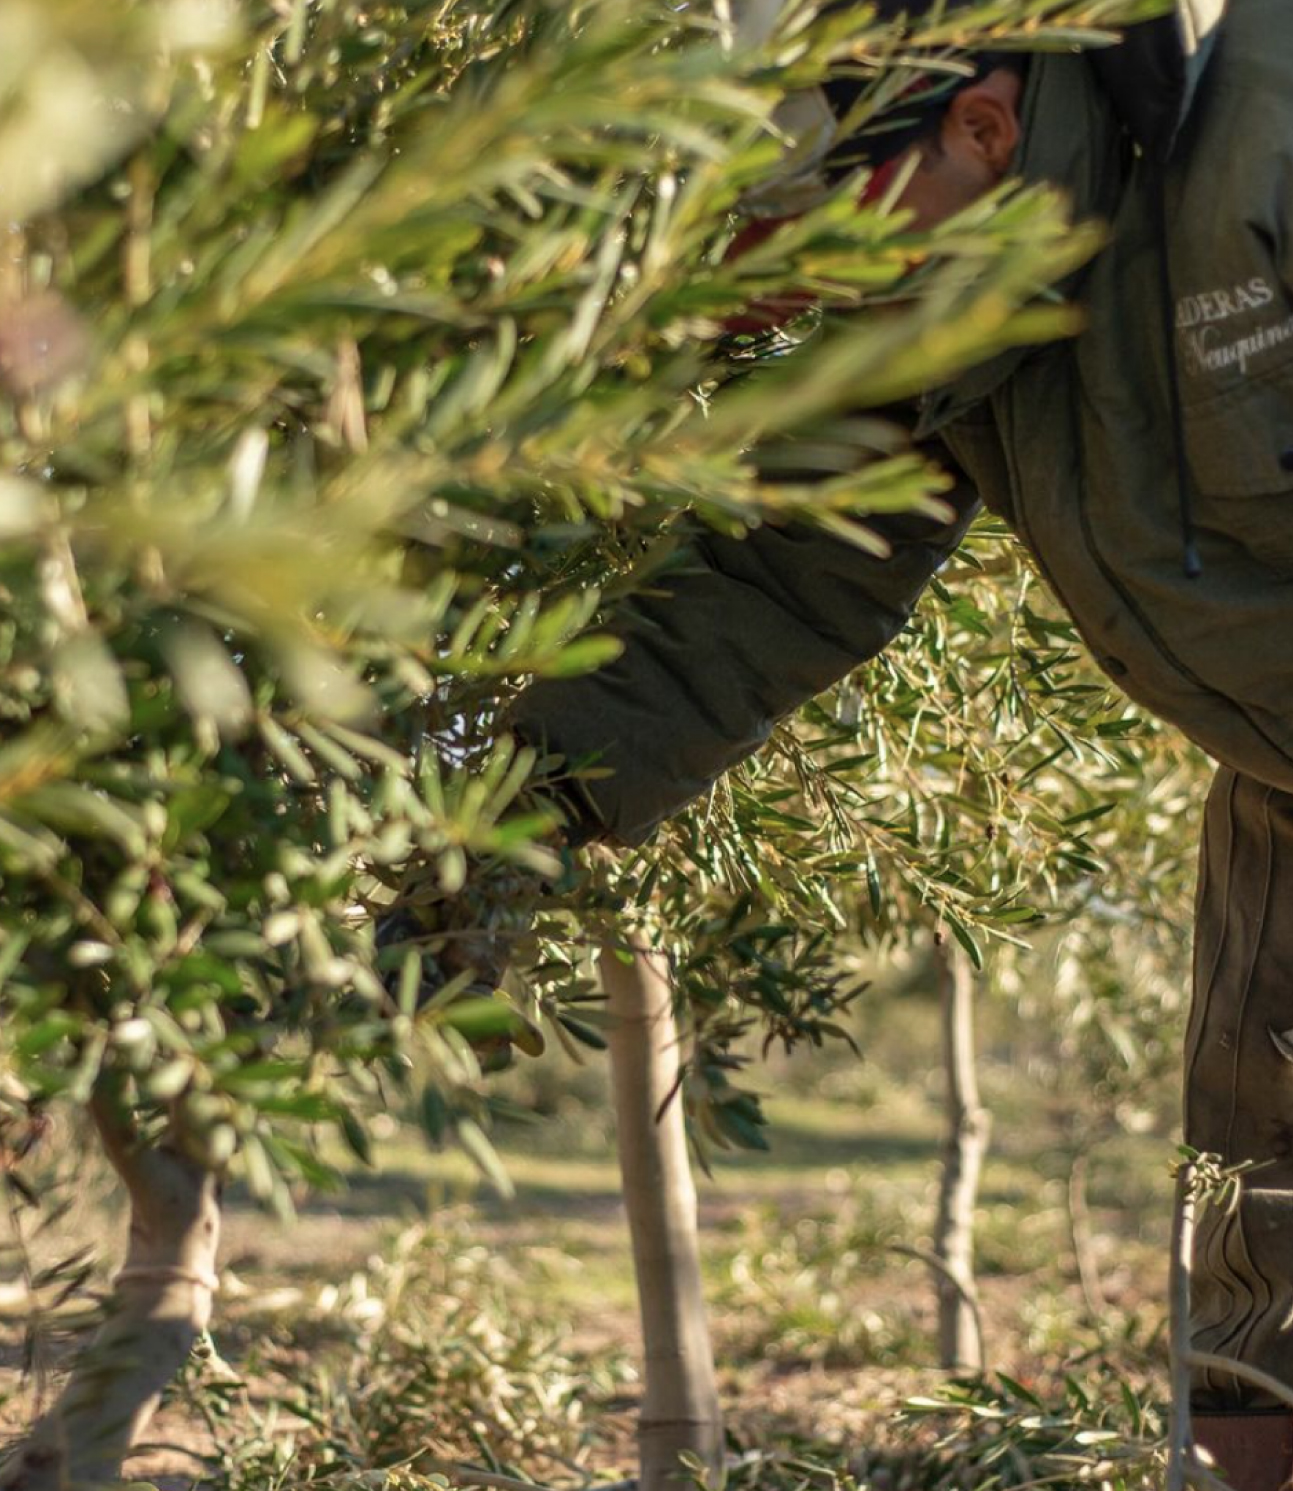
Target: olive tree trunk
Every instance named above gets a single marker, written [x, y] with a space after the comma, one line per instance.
[968, 1123]
[160, 1304]
[680, 1411]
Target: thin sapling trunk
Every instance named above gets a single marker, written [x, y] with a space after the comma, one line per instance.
[965, 1143]
[680, 1410]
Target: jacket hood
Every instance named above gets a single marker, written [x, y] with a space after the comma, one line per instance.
[1071, 139]
[1151, 76]
[1075, 109]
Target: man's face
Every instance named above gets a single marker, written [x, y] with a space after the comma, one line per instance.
[976, 145]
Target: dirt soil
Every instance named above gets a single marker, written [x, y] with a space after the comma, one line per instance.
[566, 1224]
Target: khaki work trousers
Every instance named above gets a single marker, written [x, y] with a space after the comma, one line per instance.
[1239, 1083]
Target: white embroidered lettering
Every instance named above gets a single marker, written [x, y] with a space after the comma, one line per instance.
[1209, 306]
[1204, 353]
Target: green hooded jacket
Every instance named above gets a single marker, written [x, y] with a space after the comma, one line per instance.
[1084, 446]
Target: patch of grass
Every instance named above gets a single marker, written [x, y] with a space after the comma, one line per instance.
[990, 1433]
[802, 1289]
[437, 1352]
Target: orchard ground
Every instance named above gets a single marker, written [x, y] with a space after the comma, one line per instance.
[416, 1314]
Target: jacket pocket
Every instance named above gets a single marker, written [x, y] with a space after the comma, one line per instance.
[1240, 445]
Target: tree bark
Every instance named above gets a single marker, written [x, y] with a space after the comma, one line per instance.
[960, 1342]
[680, 1410]
[1084, 1253]
[161, 1302]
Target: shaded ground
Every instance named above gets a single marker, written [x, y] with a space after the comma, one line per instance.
[821, 1326]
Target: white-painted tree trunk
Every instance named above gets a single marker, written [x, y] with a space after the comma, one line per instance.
[161, 1303]
[965, 1143]
[680, 1410]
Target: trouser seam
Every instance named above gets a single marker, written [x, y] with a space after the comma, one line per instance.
[1251, 1275]
[1242, 1010]
[1204, 988]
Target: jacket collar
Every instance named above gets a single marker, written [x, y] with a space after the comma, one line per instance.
[1151, 76]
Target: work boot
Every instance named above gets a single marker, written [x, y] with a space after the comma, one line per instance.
[1253, 1451]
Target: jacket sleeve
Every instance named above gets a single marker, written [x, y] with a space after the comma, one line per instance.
[740, 633]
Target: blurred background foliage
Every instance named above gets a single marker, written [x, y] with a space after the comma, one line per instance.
[351, 358]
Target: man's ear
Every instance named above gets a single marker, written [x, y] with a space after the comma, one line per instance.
[983, 120]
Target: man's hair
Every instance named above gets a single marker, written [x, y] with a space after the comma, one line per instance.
[917, 119]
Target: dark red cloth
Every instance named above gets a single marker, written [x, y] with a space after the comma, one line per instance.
[767, 315]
